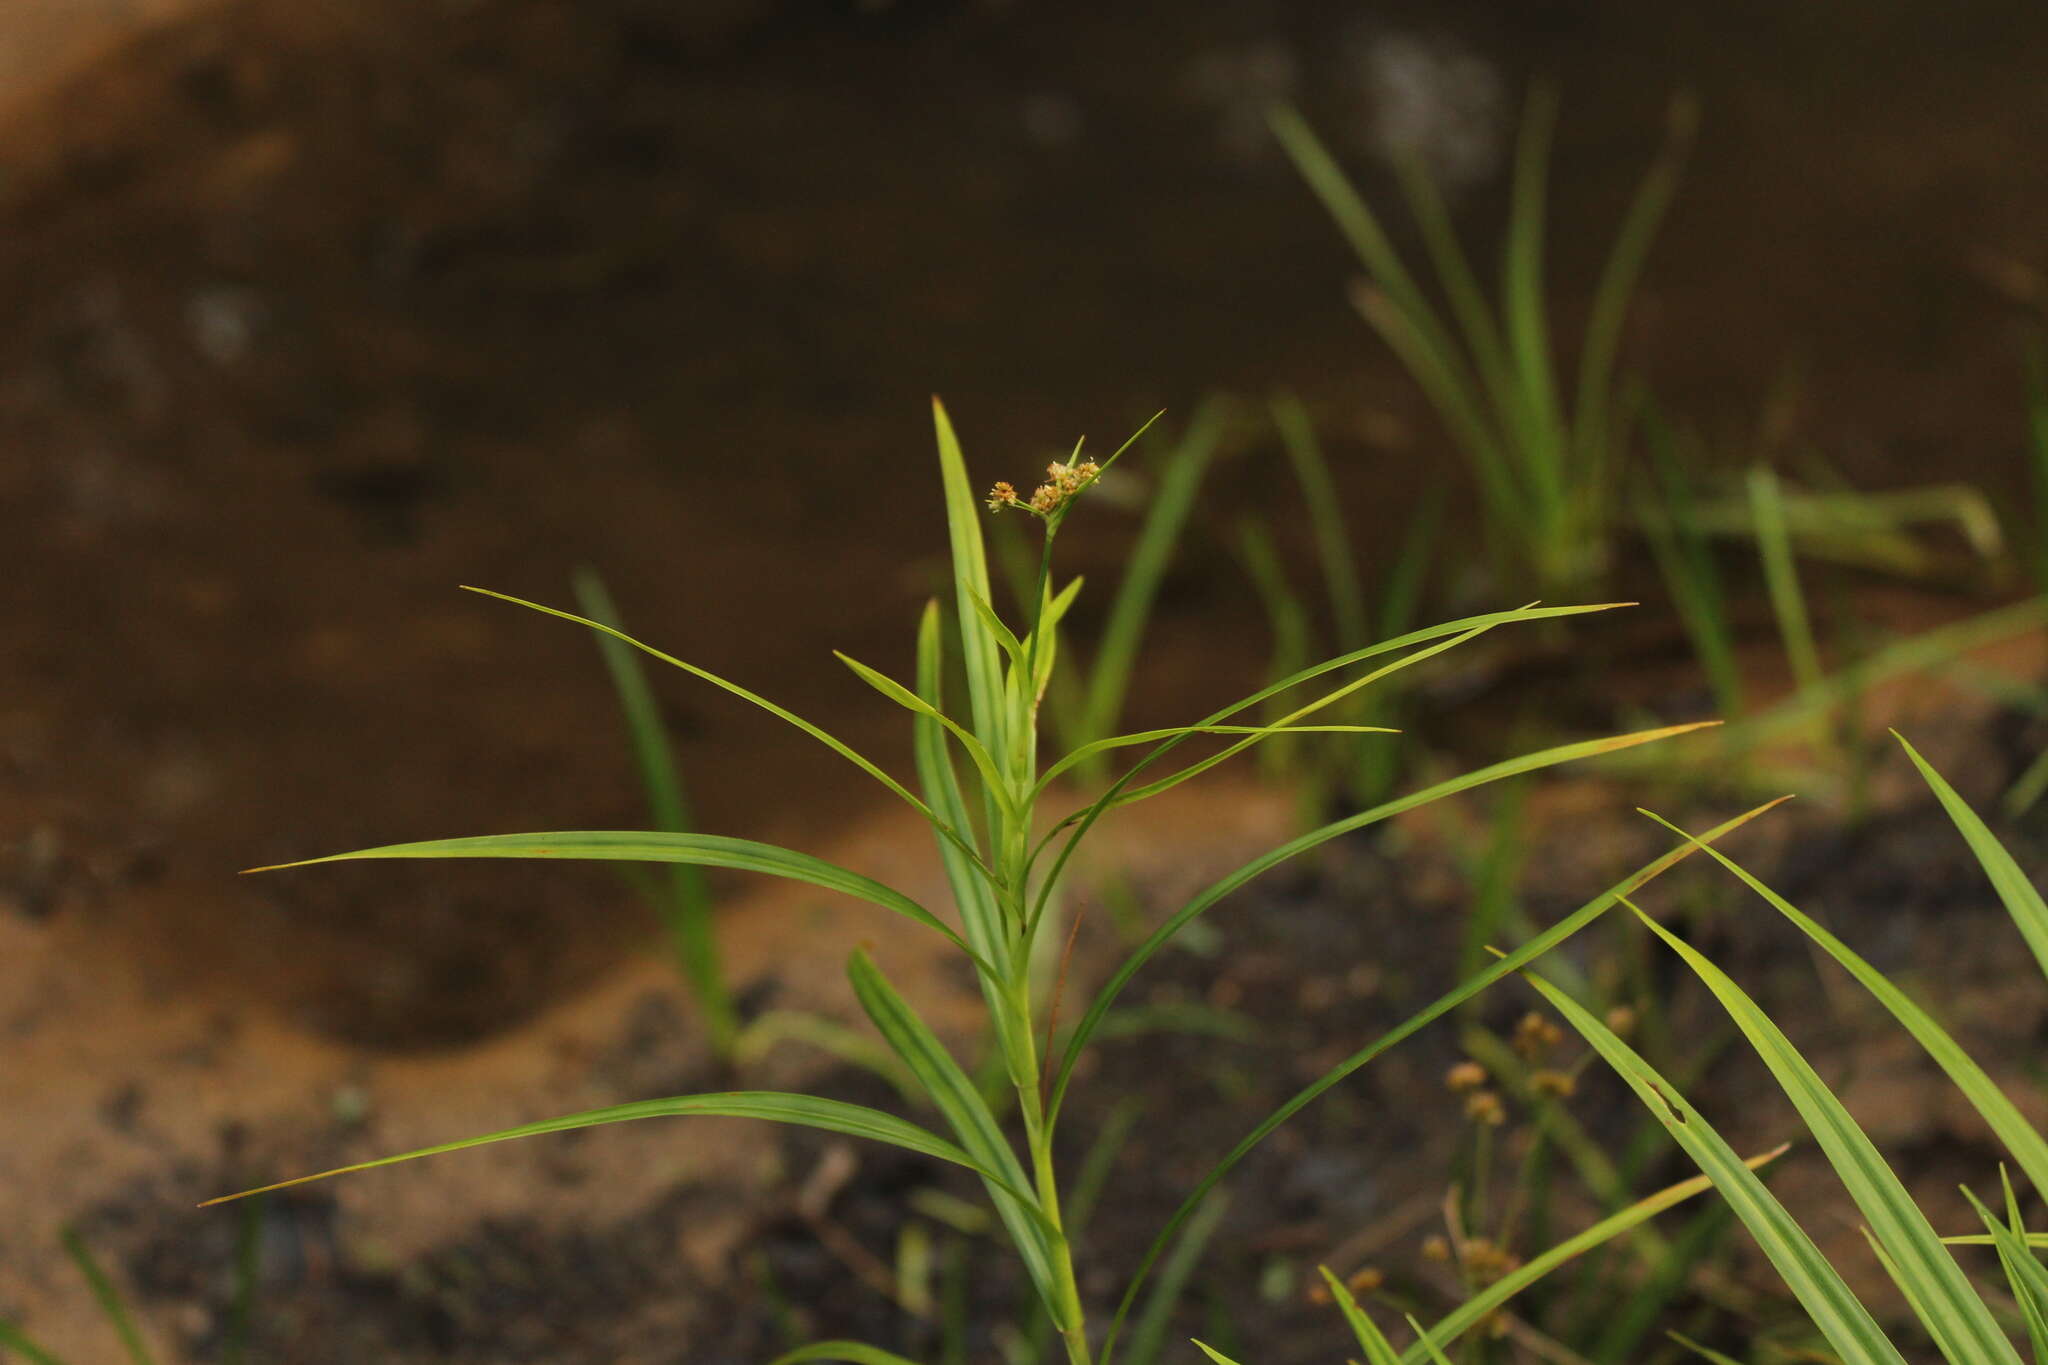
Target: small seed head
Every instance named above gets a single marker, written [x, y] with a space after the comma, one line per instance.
[1366, 1280]
[1464, 1076]
[1484, 1106]
[1535, 1036]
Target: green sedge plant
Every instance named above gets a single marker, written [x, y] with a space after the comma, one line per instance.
[985, 790]
[1792, 529]
[1548, 468]
[1960, 1314]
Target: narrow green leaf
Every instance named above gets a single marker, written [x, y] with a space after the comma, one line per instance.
[1167, 513]
[850, 1352]
[14, 1339]
[1543, 758]
[1706, 1353]
[970, 581]
[803, 1111]
[2022, 1271]
[1437, 351]
[686, 907]
[1480, 1306]
[248, 1273]
[1956, 1317]
[984, 762]
[1592, 415]
[2018, 895]
[643, 846]
[2020, 1137]
[837, 746]
[981, 915]
[2035, 1279]
[1212, 1352]
[1132, 795]
[1443, 1005]
[1148, 1333]
[1326, 519]
[1528, 323]
[1781, 577]
[1428, 1343]
[1842, 1319]
[1082, 821]
[108, 1298]
[1100, 746]
[1037, 1242]
[856, 1048]
[1371, 1340]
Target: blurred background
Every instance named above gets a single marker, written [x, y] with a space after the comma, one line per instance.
[312, 311]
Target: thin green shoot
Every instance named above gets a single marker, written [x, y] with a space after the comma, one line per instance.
[112, 1305]
[685, 908]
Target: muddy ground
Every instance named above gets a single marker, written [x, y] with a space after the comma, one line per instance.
[317, 310]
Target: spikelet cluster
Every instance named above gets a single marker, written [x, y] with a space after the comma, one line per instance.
[1062, 481]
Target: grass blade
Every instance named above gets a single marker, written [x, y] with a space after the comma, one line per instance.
[1781, 577]
[1172, 502]
[1961, 1325]
[2000, 1113]
[837, 746]
[2023, 1272]
[641, 846]
[1476, 1309]
[1371, 1340]
[981, 916]
[1443, 1005]
[1706, 1353]
[1841, 1318]
[1544, 758]
[1173, 731]
[1326, 518]
[13, 1339]
[847, 1352]
[984, 762]
[1522, 305]
[1593, 415]
[1082, 821]
[981, 1137]
[970, 581]
[108, 1297]
[803, 1111]
[686, 909]
[248, 1274]
[2015, 892]
[1148, 1333]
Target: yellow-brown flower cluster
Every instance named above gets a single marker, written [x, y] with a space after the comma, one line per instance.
[1535, 1036]
[1062, 481]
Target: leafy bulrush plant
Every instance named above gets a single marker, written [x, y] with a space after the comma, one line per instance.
[1956, 1312]
[1004, 864]
[1547, 468]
